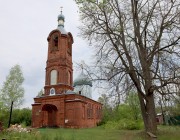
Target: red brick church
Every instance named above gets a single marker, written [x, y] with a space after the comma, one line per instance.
[63, 103]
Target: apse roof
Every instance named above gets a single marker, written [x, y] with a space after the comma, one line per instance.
[70, 92]
[82, 79]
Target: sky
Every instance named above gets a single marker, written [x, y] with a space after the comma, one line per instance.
[24, 28]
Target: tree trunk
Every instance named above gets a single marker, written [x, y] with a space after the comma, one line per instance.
[10, 114]
[148, 113]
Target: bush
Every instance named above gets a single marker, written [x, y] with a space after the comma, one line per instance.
[124, 124]
[128, 124]
[111, 125]
[21, 116]
[4, 115]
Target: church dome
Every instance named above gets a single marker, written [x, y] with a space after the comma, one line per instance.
[82, 79]
[61, 17]
[83, 85]
[61, 20]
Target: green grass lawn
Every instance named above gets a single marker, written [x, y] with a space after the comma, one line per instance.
[98, 133]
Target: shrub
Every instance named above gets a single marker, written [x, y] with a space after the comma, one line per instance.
[127, 124]
[111, 125]
[124, 124]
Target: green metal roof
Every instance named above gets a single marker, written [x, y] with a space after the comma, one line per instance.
[61, 16]
[81, 80]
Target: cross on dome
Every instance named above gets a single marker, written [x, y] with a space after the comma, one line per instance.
[61, 20]
[61, 9]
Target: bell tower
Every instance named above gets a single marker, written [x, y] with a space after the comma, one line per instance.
[61, 105]
[59, 71]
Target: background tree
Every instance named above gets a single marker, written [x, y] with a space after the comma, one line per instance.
[3, 115]
[123, 116]
[12, 92]
[137, 38]
[22, 116]
[133, 102]
[107, 108]
[40, 93]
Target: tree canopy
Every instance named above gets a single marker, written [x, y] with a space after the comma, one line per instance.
[12, 89]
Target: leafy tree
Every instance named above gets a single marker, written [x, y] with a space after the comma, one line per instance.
[177, 106]
[129, 110]
[22, 116]
[3, 115]
[104, 99]
[124, 112]
[12, 92]
[137, 38]
[107, 109]
[1, 105]
[40, 93]
[12, 89]
[19, 116]
[133, 102]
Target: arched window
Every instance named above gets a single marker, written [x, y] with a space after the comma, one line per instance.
[69, 50]
[53, 77]
[54, 43]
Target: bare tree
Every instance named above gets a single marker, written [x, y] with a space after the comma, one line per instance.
[138, 38]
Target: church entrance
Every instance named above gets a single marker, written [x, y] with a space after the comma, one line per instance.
[51, 111]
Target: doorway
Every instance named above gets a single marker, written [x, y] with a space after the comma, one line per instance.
[51, 115]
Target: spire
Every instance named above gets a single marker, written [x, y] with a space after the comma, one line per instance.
[61, 20]
[61, 9]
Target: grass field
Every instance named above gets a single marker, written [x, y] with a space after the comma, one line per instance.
[98, 133]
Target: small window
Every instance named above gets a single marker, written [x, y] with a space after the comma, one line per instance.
[69, 77]
[52, 91]
[54, 43]
[69, 50]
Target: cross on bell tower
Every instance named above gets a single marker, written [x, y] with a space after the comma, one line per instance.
[61, 9]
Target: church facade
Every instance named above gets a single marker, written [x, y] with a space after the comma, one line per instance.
[64, 104]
